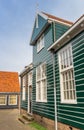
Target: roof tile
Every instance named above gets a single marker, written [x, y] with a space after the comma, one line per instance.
[9, 82]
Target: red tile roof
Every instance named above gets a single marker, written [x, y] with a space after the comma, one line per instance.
[9, 82]
[58, 19]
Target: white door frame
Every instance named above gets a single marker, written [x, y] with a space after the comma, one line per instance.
[28, 100]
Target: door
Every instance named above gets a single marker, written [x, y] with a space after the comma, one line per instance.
[30, 99]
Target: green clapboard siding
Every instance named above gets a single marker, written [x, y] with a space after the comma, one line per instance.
[60, 30]
[44, 109]
[73, 114]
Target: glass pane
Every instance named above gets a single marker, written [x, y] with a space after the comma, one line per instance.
[67, 94]
[64, 85]
[42, 41]
[44, 89]
[71, 95]
[38, 73]
[12, 99]
[64, 94]
[43, 70]
[2, 99]
[39, 90]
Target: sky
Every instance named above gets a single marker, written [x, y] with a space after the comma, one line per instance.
[16, 23]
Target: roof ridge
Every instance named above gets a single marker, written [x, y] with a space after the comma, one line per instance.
[57, 18]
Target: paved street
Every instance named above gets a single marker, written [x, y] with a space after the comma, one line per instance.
[9, 121]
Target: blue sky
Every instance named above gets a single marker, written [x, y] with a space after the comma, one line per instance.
[16, 22]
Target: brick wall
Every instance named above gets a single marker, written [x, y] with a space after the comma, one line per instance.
[62, 126]
[50, 124]
[22, 111]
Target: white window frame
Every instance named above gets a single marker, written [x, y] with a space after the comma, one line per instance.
[9, 100]
[41, 80]
[24, 88]
[66, 67]
[5, 100]
[40, 43]
[30, 78]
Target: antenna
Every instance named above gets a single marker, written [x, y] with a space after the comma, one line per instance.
[37, 7]
[37, 10]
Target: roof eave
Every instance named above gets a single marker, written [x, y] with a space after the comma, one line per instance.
[26, 70]
[67, 36]
[43, 29]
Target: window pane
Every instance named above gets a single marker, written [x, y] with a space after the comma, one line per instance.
[38, 73]
[40, 43]
[66, 72]
[41, 87]
[43, 71]
[68, 84]
[13, 99]
[2, 100]
[44, 89]
[39, 90]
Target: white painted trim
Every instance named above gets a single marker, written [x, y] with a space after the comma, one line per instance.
[59, 21]
[43, 15]
[29, 83]
[28, 100]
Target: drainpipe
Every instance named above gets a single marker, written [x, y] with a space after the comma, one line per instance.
[53, 57]
[55, 102]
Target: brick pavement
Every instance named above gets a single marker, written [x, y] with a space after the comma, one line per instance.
[9, 121]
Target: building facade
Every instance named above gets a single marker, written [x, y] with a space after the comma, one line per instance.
[26, 90]
[9, 90]
[47, 29]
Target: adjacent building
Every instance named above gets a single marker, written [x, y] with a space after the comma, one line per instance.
[26, 89]
[9, 90]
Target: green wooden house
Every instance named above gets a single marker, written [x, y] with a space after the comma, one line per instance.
[48, 106]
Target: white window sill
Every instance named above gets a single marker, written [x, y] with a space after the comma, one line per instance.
[12, 104]
[69, 102]
[44, 101]
[3, 104]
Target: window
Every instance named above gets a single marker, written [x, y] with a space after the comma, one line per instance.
[12, 99]
[30, 78]
[41, 83]
[3, 99]
[68, 92]
[40, 43]
[23, 88]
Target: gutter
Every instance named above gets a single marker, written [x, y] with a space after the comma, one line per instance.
[53, 57]
[55, 101]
